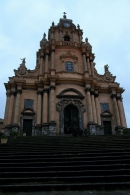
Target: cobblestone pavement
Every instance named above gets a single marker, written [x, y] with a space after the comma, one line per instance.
[117, 192]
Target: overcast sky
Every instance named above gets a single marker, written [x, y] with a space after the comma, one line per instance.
[106, 23]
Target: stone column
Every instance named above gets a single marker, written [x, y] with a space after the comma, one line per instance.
[46, 63]
[97, 109]
[11, 110]
[117, 117]
[124, 118]
[80, 37]
[84, 61]
[52, 110]
[88, 64]
[41, 64]
[121, 112]
[52, 34]
[7, 106]
[73, 38]
[89, 105]
[93, 107]
[39, 105]
[61, 36]
[92, 67]
[52, 58]
[16, 111]
[45, 112]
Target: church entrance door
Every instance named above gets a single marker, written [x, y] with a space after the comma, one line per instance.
[71, 118]
[27, 126]
[107, 127]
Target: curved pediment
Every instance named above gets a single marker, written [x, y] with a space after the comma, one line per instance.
[106, 113]
[68, 55]
[28, 111]
[70, 92]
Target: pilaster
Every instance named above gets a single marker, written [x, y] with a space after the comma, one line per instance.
[93, 107]
[116, 112]
[16, 110]
[41, 64]
[97, 108]
[84, 61]
[11, 109]
[45, 124]
[52, 123]
[89, 105]
[46, 63]
[52, 58]
[39, 105]
[88, 64]
[92, 66]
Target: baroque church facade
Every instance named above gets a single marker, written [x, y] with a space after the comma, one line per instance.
[64, 89]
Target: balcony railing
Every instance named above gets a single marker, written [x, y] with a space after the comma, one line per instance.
[67, 43]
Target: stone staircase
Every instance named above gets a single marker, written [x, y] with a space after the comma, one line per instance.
[65, 163]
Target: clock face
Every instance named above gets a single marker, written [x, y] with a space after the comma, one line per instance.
[66, 24]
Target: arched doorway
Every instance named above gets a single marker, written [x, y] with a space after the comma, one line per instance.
[71, 118]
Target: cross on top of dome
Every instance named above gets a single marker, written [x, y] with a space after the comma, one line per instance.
[64, 16]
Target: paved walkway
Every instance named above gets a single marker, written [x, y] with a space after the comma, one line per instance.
[117, 192]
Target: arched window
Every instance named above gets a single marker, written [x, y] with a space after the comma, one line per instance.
[66, 38]
[69, 67]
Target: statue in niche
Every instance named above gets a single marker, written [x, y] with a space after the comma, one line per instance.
[53, 24]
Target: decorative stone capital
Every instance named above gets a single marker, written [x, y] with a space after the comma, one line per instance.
[96, 95]
[87, 89]
[113, 96]
[52, 87]
[8, 94]
[91, 59]
[118, 97]
[92, 93]
[12, 93]
[42, 56]
[45, 90]
[52, 50]
[39, 92]
[84, 53]
[19, 91]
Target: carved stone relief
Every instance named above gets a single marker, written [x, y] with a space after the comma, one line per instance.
[69, 57]
[22, 70]
[107, 75]
[61, 105]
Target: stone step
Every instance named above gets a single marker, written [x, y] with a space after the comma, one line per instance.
[62, 163]
[67, 168]
[63, 171]
[40, 158]
[63, 186]
[89, 153]
[44, 162]
[58, 163]
[66, 179]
